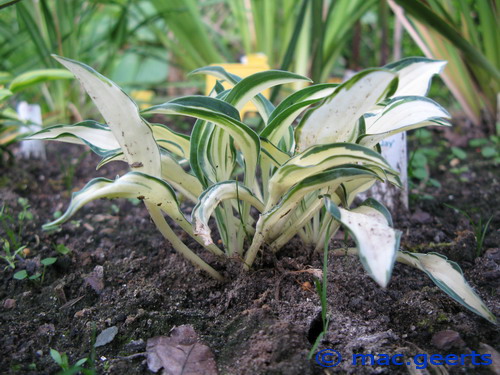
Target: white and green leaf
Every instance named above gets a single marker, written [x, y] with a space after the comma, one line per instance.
[122, 116]
[97, 136]
[448, 276]
[377, 242]
[274, 220]
[176, 143]
[402, 114]
[131, 185]
[415, 75]
[249, 87]
[264, 106]
[287, 111]
[223, 115]
[317, 159]
[151, 190]
[335, 120]
[215, 195]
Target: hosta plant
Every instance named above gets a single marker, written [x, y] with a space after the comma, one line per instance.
[264, 187]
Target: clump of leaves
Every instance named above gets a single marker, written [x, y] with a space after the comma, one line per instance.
[37, 276]
[10, 256]
[309, 173]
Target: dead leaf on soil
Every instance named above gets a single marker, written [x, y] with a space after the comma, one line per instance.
[180, 354]
[96, 279]
[106, 336]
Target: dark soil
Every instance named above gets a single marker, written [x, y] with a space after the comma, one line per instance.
[120, 272]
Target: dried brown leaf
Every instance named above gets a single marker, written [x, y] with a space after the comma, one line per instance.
[180, 354]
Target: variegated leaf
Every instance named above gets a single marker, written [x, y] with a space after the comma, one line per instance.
[131, 185]
[122, 116]
[448, 276]
[335, 120]
[176, 143]
[402, 114]
[317, 159]
[212, 197]
[376, 241]
[222, 114]
[415, 75]
[264, 106]
[288, 110]
[272, 222]
[91, 133]
[256, 83]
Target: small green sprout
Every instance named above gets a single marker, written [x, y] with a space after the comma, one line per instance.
[10, 257]
[480, 228]
[23, 274]
[62, 360]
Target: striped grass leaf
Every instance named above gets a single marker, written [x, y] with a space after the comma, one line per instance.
[4, 94]
[335, 119]
[34, 77]
[432, 19]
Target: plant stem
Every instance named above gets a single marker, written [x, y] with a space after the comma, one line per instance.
[178, 245]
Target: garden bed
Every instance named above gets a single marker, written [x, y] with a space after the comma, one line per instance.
[120, 272]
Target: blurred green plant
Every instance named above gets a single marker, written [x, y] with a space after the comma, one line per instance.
[306, 37]
[488, 147]
[11, 126]
[464, 33]
[100, 31]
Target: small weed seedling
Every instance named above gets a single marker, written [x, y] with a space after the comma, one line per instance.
[9, 222]
[488, 147]
[69, 169]
[62, 249]
[22, 275]
[321, 289]
[480, 227]
[62, 360]
[10, 257]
